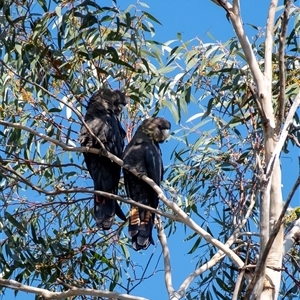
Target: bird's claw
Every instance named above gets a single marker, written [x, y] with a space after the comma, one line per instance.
[140, 175]
[134, 171]
[102, 152]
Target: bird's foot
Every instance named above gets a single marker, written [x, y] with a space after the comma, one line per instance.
[102, 152]
[130, 169]
[134, 171]
[141, 174]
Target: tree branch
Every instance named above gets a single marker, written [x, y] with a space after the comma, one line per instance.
[241, 275]
[289, 240]
[243, 39]
[283, 136]
[59, 191]
[64, 295]
[263, 85]
[260, 269]
[167, 262]
[295, 139]
[220, 254]
[269, 44]
[181, 215]
[282, 71]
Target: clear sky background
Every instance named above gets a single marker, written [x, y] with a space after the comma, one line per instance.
[193, 18]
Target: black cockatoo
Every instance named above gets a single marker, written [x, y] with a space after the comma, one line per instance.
[103, 119]
[143, 154]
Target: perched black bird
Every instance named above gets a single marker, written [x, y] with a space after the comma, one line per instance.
[143, 154]
[103, 119]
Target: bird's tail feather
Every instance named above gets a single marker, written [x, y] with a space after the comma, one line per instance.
[119, 212]
[140, 229]
[104, 210]
[134, 221]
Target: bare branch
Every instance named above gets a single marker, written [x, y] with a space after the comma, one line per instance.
[263, 86]
[185, 219]
[243, 39]
[64, 295]
[167, 262]
[282, 71]
[283, 135]
[269, 44]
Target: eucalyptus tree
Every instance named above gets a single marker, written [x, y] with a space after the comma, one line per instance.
[234, 109]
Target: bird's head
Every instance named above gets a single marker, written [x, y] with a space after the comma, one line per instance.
[108, 100]
[101, 100]
[119, 102]
[158, 129]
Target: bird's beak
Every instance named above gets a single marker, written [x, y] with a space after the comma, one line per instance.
[166, 133]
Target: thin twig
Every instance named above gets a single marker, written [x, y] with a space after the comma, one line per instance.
[295, 139]
[241, 275]
[283, 135]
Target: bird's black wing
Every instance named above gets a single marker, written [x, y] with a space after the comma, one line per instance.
[143, 154]
[105, 173]
[146, 159]
[140, 224]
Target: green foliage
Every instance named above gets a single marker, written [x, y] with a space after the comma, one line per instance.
[54, 55]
